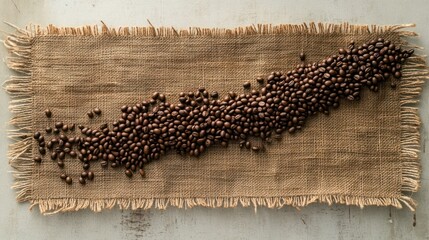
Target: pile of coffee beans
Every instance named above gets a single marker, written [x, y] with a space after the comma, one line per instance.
[147, 130]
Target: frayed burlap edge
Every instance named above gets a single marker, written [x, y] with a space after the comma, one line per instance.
[19, 88]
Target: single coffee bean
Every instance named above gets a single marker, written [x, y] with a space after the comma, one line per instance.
[142, 173]
[59, 125]
[42, 150]
[246, 85]
[63, 176]
[155, 95]
[84, 174]
[36, 135]
[48, 113]
[302, 56]
[72, 154]
[162, 97]
[82, 180]
[48, 130]
[56, 131]
[90, 114]
[214, 94]
[90, 175]
[60, 164]
[128, 173]
[97, 111]
[260, 80]
[37, 159]
[69, 180]
[255, 149]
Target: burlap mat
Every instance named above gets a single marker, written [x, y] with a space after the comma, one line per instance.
[364, 153]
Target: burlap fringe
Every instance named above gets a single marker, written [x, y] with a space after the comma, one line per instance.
[151, 31]
[52, 206]
[19, 87]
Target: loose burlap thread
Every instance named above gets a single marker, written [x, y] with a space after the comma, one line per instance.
[364, 153]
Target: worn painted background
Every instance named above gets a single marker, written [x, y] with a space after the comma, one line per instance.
[314, 222]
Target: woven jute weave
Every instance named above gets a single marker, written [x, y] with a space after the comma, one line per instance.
[364, 153]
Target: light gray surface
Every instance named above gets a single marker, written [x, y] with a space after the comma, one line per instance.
[314, 222]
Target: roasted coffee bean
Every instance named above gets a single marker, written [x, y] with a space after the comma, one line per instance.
[155, 95]
[69, 180]
[48, 130]
[84, 174]
[59, 125]
[144, 132]
[82, 180]
[97, 111]
[63, 176]
[42, 150]
[56, 131]
[214, 94]
[72, 154]
[90, 175]
[37, 135]
[85, 166]
[90, 114]
[142, 172]
[302, 56]
[128, 173]
[48, 113]
[37, 159]
[60, 164]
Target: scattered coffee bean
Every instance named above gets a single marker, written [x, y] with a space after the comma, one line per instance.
[90, 175]
[48, 113]
[256, 149]
[38, 159]
[90, 114]
[302, 56]
[82, 180]
[128, 173]
[60, 164]
[97, 111]
[155, 95]
[84, 174]
[37, 135]
[63, 176]
[69, 180]
[246, 85]
[59, 125]
[214, 94]
[48, 130]
[260, 80]
[142, 173]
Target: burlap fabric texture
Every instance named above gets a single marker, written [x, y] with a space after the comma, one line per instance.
[364, 153]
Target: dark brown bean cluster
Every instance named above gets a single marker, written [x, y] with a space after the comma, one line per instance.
[147, 130]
